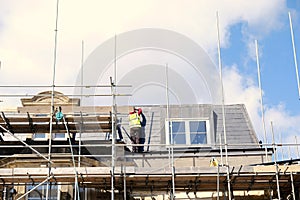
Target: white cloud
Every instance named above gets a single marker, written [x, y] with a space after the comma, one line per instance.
[27, 38]
[283, 121]
[28, 26]
[239, 88]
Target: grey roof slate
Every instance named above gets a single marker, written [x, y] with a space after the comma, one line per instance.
[239, 129]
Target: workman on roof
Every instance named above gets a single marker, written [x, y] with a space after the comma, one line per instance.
[135, 127]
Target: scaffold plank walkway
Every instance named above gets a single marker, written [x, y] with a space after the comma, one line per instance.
[205, 179]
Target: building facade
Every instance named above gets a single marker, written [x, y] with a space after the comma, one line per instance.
[190, 151]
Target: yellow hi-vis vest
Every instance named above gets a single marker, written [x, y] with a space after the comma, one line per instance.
[214, 162]
[134, 120]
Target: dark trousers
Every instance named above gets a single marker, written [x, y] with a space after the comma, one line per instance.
[141, 141]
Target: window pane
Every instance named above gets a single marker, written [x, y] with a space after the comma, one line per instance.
[41, 191]
[179, 139]
[198, 126]
[59, 135]
[178, 127]
[39, 135]
[198, 139]
[178, 133]
[198, 132]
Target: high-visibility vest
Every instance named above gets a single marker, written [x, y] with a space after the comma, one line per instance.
[134, 120]
[214, 162]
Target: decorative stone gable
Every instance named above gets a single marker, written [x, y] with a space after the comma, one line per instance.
[44, 98]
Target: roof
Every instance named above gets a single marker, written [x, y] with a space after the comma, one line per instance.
[239, 129]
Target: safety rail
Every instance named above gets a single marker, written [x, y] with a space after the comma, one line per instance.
[40, 124]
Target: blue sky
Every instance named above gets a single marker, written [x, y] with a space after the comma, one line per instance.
[26, 33]
[278, 75]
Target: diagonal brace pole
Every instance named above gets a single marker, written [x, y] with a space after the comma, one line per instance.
[25, 144]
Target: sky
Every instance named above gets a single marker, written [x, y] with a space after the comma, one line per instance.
[27, 48]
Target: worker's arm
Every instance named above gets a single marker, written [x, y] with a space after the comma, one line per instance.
[140, 111]
[144, 121]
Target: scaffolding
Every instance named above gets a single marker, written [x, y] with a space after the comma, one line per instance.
[113, 172]
[128, 179]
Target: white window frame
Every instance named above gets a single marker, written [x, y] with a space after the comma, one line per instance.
[187, 130]
[47, 135]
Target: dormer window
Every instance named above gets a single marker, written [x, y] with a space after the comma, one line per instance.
[187, 131]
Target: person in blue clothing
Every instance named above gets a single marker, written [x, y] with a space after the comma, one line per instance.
[59, 115]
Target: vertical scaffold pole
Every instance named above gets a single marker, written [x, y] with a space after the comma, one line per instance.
[221, 148]
[218, 183]
[81, 74]
[297, 147]
[80, 138]
[261, 100]
[124, 180]
[293, 187]
[295, 54]
[81, 92]
[113, 119]
[167, 114]
[112, 145]
[172, 142]
[282, 154]
[223, 110]
[222, 164]
[52, 96]
[275, 161]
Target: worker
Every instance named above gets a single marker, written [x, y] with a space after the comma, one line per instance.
[135, 127]
[59, 115]
[214, 162]
[142, 136]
